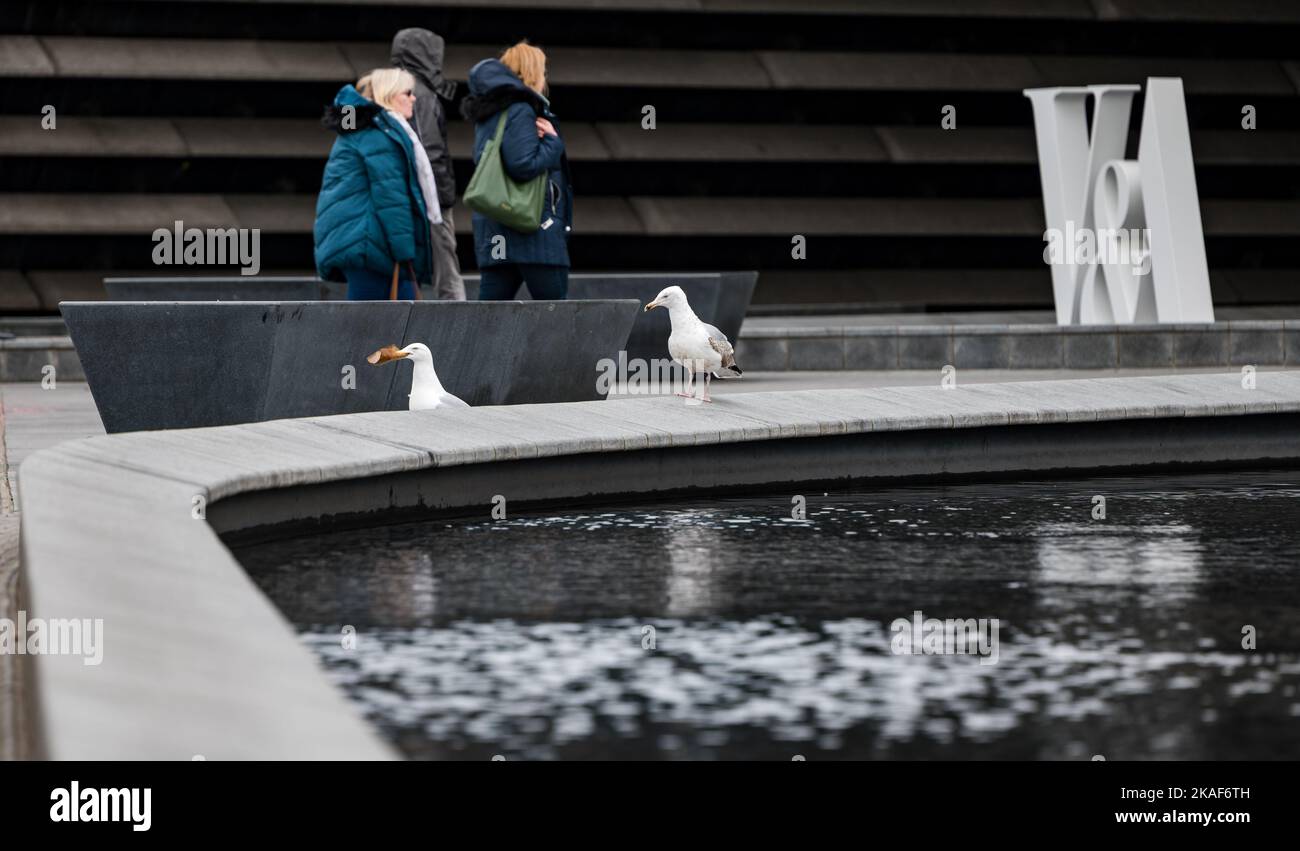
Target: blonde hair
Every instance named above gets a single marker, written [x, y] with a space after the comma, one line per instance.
[528, 63]
[387, 83]
[363, 87]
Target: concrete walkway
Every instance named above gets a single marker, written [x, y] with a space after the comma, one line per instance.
[31, 418]
[848, 379]
[35, 418]
[10, 683]
[198, 661]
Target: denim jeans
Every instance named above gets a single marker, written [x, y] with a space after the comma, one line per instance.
[500, 283]
[365, 285]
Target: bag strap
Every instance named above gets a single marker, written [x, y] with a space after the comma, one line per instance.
[501, 126]
[392, 287]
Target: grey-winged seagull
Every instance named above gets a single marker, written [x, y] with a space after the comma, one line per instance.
[696, 345]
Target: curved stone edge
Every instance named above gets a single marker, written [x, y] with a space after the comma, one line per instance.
[198, 662]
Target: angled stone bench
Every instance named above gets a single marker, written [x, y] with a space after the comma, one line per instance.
[719, 298]
[164, 365]
[216, 288]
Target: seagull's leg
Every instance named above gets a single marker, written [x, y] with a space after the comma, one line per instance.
[687, 386]
[707, 376]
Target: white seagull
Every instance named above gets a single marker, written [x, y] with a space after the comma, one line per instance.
[427, 391]
[696, 345]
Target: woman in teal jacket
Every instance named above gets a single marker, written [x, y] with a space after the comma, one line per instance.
[372, 212]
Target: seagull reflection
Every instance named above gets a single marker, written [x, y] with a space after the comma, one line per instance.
[695, 555]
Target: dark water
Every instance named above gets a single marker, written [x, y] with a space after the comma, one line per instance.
[722, 629]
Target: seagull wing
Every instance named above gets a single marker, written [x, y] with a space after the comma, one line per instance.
[719, 343]
[452, 401]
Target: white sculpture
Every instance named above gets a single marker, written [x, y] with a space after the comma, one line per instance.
[1089, 189]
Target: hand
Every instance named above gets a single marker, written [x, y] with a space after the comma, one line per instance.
[545, 128]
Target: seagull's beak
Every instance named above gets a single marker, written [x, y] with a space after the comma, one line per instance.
[651, 304]
[386, 354]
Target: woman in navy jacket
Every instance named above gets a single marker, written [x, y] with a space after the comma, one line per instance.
[530, 145]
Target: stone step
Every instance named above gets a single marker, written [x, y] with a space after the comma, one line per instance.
[29, 56]
[139, 214]
[1071, 9]
[780, 292]
[918, 342]
[129, 137]
[1234, 343]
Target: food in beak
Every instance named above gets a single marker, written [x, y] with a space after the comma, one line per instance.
[386, 354]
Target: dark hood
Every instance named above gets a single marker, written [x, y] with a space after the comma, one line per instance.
[493, 87]
[364, 110]
[420, 52]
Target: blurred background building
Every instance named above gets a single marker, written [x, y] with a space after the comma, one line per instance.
[773, 118]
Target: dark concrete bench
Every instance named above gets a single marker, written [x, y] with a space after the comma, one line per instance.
[220, 288]
[189, 364]
[719, 298]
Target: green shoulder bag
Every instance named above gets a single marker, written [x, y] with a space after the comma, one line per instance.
[501, 198]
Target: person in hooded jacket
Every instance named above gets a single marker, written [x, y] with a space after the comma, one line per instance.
[378, 203]
[531, 145]
[419, 52]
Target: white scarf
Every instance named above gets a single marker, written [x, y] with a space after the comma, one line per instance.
[424, 170]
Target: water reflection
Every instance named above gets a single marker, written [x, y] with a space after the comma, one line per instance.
[1163, 555]
[695, 558]
[1119, 636]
